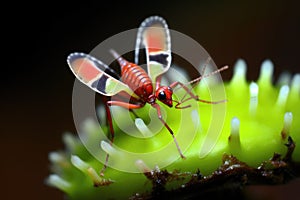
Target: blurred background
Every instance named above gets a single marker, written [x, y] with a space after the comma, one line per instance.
[37, 83]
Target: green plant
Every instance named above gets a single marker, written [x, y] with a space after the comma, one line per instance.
[260, 119]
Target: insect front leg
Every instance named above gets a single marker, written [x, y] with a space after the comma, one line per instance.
[156, 106]
[192, 96]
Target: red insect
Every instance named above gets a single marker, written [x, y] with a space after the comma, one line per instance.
[135, 84]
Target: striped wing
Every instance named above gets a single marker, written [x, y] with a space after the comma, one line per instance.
[97, 75]
[154, 36]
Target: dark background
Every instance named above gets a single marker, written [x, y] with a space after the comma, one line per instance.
[37, 84]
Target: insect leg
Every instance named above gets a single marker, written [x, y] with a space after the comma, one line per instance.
[158, 80]
[112, 133]
[125, 104]
[194, 83]
[156, 106]
[109, 119]
[192, 96]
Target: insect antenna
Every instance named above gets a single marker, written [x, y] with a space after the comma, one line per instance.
[207, 75]
[193, 83]
[196, 82]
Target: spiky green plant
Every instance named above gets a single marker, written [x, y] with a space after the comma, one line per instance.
[259, 119]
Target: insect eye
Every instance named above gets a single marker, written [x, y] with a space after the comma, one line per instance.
[162, 95]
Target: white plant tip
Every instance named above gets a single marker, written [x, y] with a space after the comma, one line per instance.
[70, 141]
[253, 88]
[235, 126]
[94, 175]
[58, 182]
[287, 123]
[234, 137]
[284, 79]
[78, 163]
[56, 157]
[141, 126]
[282, 96]
[266, 72]
[240, 68]
[142, 166]
[295, 86]
[109, 149]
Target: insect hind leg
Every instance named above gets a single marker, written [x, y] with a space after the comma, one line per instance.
[112, 134]
[110, 123]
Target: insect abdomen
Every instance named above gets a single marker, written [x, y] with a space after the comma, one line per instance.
[137, 79]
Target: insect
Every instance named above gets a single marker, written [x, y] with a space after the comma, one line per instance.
[135, 84]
